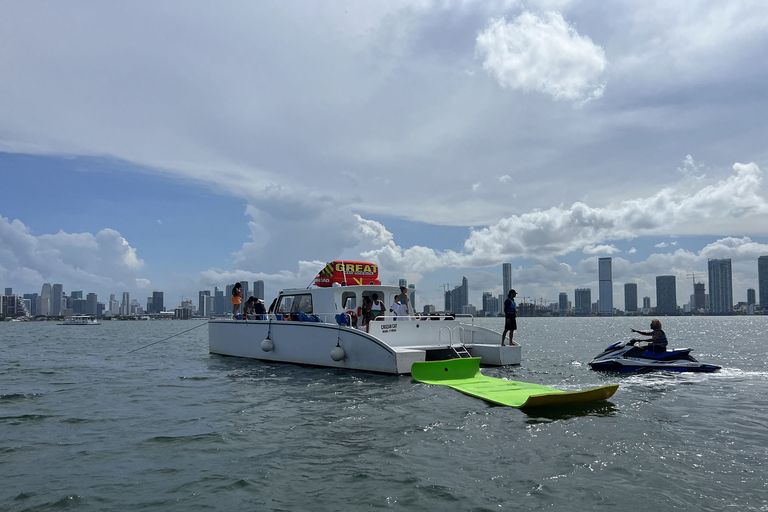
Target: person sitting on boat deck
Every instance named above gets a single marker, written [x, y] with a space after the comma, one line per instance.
[237, 298]
[658, 340]
[377, 308]
[249, 308]
[510, 317]
[404, 300]
[259, 308]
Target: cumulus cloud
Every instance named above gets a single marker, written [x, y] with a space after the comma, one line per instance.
[601, 249]
[543, 54]
[83, 260]
[559, 230]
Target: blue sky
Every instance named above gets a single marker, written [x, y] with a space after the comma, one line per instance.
[185, 146]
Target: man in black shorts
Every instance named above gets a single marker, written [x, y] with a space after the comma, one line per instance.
[510, 317]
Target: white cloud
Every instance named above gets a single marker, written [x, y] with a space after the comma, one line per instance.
[601, 249]
[543, 54]
[559, 231]
[661, 244]
[475, 187]
[83, 260]
[505, 179]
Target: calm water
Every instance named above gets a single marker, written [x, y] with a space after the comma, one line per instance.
[87, 426]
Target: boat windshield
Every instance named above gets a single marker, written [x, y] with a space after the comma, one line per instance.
[299, 303]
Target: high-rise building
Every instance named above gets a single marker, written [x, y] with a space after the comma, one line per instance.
[258, 289]
[582, 302]
[605, 291]
[220, 301]
[91, 304]
[490, 304]
[246, 293]
[762, 282]
[720, 287]
[125, 305]
[630, 297]
[666, 295]
[506, 278]
[750, 296]
[8, 291]
[460, 296]
[563, 304]
[57, 294]
[646, 303]
[33, 303]
[699, 297]
[202, 303]
[114, 305]
[157, 302]
[44, 308]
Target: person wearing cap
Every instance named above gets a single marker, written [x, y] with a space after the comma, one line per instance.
[259, 308]
[510, 317]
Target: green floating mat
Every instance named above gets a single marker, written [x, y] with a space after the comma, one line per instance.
[464, 375]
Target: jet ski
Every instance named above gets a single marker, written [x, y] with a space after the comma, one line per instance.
[625, 357]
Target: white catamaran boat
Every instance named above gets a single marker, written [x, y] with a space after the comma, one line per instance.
[322, 326]
[80, 320]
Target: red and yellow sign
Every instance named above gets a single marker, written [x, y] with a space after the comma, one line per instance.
[348, 273]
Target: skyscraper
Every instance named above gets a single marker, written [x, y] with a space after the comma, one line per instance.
[666, 295]
[125, 305]
[460, 296]
[57, 294]
[506, 276]
[699, 297]
[202, 303]
[45, 300]
[720, 287]
[91, 304]
[762, 282]
[630, 297]
[605, 291]
[563, 304]
[157, 302]
[219, 301]
[258, 289]
[582, 302]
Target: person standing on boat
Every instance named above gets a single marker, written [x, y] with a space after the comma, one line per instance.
[404, 300]
[510, 317]
[365, 310]
[237, 298]
[377, 308]
[658, 340]
[398, 309]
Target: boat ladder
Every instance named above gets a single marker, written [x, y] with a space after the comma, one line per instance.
[460, 351]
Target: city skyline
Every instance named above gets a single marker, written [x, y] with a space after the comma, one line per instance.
[720, 275]
[419, 144]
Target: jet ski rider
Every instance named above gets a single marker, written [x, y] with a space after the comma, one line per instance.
[658, 340]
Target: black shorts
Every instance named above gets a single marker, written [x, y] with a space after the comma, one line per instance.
[510, 323]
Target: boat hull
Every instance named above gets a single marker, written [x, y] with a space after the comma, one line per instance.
[390, 347]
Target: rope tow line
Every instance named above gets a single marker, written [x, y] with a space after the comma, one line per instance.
[169, 337]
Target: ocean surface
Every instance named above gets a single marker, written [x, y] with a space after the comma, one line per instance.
[86, 425]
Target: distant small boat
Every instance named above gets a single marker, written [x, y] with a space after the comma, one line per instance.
[80, 320]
